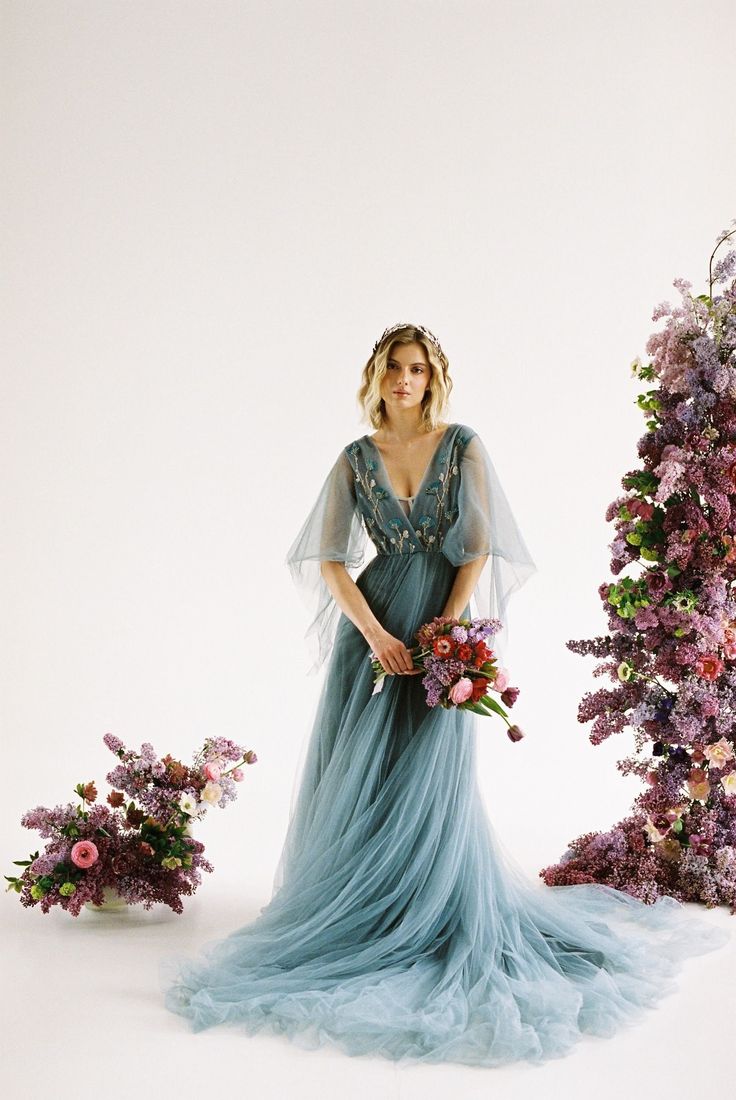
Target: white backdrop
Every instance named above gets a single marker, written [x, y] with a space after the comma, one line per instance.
[211, 211]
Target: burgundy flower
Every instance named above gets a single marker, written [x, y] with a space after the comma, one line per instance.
[658, 583]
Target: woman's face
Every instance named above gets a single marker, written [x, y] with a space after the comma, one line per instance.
[407, 377]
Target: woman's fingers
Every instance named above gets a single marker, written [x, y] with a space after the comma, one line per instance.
[398, 661]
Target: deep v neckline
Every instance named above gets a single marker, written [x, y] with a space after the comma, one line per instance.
[425, 475]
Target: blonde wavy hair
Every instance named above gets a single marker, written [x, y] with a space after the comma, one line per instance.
[436, 396]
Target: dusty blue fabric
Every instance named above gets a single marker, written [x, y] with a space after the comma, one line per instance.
[398, 924]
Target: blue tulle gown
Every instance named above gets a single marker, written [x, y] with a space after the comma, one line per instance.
[398, 925]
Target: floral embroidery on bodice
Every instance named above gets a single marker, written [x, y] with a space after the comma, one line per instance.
[403, 525]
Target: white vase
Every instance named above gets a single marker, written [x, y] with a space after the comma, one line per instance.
[112, 902]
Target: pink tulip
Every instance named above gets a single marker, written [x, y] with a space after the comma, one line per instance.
[238, 774]
[502, 680]
[515, 733]
[84, 853]
[461, 691]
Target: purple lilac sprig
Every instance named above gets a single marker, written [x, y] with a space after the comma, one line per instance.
[142, 845]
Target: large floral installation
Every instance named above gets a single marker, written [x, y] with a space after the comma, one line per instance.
[670, 649]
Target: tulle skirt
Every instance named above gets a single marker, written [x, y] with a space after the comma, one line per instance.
[398, 925]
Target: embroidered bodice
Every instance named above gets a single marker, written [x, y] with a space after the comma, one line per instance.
[403, 525]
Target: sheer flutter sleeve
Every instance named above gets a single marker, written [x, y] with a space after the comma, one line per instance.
[485, 524]
[333, 531]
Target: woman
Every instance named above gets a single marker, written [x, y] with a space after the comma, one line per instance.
[397, 925]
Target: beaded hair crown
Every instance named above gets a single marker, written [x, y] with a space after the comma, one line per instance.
[425, 331]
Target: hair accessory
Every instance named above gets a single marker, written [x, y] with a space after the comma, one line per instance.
[430, 336]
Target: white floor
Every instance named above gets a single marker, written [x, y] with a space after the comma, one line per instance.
[84, 1017]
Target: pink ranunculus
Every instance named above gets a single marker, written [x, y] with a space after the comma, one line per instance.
[84, 853]
[461, 691]
[211, 771]
[237, 774]
[729, 650]
[709, 666]
[501, 681]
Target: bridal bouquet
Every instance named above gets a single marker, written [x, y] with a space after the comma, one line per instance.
[460, 668]
[141, 847]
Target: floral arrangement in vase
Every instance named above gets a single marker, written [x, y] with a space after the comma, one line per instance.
[460, 668]
[670, 649]
[135, 849]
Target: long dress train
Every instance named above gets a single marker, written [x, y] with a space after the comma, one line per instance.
[398, 925]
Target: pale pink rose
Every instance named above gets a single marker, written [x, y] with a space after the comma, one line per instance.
[237, 774]
[461, 691]
[502, 680]
[212, 793]
[211, 771]
[719, 753]
[728, 783]
[84, 853]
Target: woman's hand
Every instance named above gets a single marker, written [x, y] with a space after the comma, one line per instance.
[391, 652]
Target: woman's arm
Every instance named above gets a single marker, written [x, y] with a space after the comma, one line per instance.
[463, 585]
[390, 651]
[349, 598]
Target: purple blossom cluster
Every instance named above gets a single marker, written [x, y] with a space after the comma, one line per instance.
[670, 649]
[142, 847]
